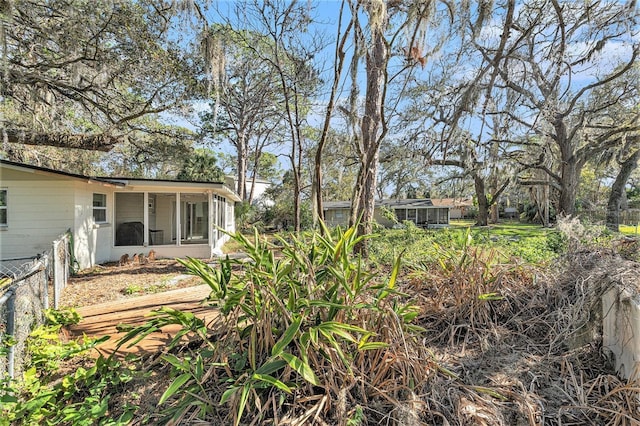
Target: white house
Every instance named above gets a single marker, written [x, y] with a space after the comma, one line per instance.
[110, 217]
[261, 187]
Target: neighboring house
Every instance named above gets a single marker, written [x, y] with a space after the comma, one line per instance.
[110, 217]
[511, 212]
[459, 207]
[261, 186]
[420, 211]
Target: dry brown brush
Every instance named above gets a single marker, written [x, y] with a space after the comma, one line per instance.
[523, 345]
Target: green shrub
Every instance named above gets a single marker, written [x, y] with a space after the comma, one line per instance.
[533, 250]
[311, 321]
[132, 289]
[80, 398]
[45, 396]
[62, 317]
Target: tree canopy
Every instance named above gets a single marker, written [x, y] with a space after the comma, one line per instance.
[80, 74]
[386, 99]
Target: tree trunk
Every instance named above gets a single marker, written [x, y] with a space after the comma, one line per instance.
[617, 190]
[569, 171]
[253, 189]
[364, 197]
[298, 181]
[254, 174]
[316, 192]
[483, 205]
[568, 187]
[242, 167]
[545, 201]
[495, 216]
[316, 188]
[363, 202]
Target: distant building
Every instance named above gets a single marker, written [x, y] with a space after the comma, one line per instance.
[424, 212]
[460, 207]
[261, 187]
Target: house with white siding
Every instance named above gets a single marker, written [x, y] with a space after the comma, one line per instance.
[110, 217]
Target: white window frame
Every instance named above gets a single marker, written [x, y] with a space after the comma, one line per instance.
[101, 208]
[6, 203]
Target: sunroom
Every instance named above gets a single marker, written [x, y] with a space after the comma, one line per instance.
[171, 217]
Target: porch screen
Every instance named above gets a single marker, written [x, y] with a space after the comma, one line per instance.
[401, 214]
[443, 216]
[194, 218]
[422, 217]
[129, 215]
[161, 218]
[412, 215]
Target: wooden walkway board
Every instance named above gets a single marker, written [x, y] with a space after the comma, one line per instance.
[102, 319]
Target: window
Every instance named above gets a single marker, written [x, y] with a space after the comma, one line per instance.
[100, 208]
[3, 207]
[401, 214]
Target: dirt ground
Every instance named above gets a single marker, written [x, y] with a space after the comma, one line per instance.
[109, 282]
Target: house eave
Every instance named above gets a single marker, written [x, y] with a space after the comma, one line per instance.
[119, 182]
[150, 183]
[27, 168]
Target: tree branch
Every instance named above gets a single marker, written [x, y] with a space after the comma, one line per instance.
[97, 142]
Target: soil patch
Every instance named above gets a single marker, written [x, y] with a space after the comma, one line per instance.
[110, 282]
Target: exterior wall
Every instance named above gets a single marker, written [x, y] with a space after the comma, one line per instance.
[41, 206]
[336, 217]
[39, 209]
[104, 242]
[85, 239]
[511, 212]
[455, 213]
[258, 192]
[92, 241]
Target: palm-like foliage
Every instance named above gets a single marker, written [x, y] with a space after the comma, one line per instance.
[202, 166]
[302, 317]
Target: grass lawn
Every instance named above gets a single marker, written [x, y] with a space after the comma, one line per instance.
[503, 229]
[518, 229]
[630, 230]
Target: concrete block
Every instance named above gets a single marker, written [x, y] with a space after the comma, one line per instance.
[621, 330]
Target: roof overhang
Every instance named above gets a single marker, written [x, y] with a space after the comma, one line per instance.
[165, 184]
[218, 187]
[26, 168]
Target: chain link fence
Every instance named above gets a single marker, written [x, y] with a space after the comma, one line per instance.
[630, 217]
[26, 285]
